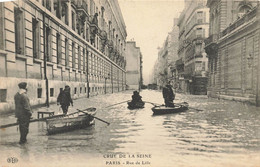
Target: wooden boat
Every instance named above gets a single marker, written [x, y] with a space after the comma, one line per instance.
[137, 105]
[180, 107]
[65, 123]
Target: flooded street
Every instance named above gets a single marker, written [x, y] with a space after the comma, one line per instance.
[225, 133]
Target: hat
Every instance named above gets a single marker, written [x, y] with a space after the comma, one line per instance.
[22, 85]
[67, 86]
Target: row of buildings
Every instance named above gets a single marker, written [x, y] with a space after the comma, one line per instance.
[218, 51]
[182, 59]
[53, 43]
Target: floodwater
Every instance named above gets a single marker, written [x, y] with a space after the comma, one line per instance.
[225, 133]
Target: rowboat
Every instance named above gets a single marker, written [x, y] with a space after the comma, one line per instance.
[162, 109]
[137, 105]
[76, 120]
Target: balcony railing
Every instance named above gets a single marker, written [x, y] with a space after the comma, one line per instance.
[245, 18]
[80, 5]
[211, 39]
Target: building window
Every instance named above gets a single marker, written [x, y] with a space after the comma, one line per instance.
[51, 92]
[80, 89]
[87, 34]
[19, 30]
[73, 55]
[79, 58]
[47, 4]
[65, 13]
[3, 93]
[84, 59]
[243, 10]
[200, 32]
[39, 93]
[73, 19]
[58, 47]
[36, 38]
[85, 89]
[75, 90]
[57, 8]
[66, 52]
[48, 44]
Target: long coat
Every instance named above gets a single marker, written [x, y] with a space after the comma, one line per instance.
[64, 98]
[168, 93]
[22, 105]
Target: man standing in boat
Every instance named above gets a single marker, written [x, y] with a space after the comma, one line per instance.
[64, 99]
[23, 111]
[168, 95]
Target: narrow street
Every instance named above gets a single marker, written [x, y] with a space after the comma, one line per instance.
[225, 133]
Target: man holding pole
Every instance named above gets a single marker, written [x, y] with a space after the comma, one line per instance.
[23, 111]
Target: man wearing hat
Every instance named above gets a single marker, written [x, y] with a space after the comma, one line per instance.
[23, 111]
[64, 99]
[168, 95]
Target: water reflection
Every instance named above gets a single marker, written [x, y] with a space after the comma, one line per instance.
[224, 133]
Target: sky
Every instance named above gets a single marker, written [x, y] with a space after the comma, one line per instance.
[148, 22]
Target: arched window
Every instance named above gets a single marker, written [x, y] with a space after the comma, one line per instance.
[243, 10]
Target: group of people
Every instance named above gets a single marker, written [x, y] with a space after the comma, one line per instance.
[167, 92]
[23, 111]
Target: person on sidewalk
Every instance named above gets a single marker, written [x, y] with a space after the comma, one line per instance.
[64, 99]
[168, 95]
[23, 111]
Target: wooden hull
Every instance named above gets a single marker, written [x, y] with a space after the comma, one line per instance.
[66, 124]
[160, 110]
[132, 106]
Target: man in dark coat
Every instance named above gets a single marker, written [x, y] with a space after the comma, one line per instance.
[64, 99]
[136, 97]
[168, 95]
[23, 111]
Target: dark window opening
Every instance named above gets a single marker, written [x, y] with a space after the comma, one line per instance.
[19, 32]
[85, 89]
[3, 93]
[48, 44]
[75, 90]
[80, 90]
[58, 47]
[36, 37]
[39, 93]
[51, 92]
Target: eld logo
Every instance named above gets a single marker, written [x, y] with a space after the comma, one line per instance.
[12, 160]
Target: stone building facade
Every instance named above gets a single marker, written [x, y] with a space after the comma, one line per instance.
[134, 66]
[233, 50]
[193, 61]
[53, 43]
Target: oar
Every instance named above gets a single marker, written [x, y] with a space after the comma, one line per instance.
[41, 119]
[155, 104]
[32, 120]
[94, 117]
[116, 104]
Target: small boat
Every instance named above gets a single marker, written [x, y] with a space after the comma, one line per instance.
[73, 121]
[137, 105]
[180, 107]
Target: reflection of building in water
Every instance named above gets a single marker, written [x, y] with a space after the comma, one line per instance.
[233, 50]
[134, 77]
[50, 44]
